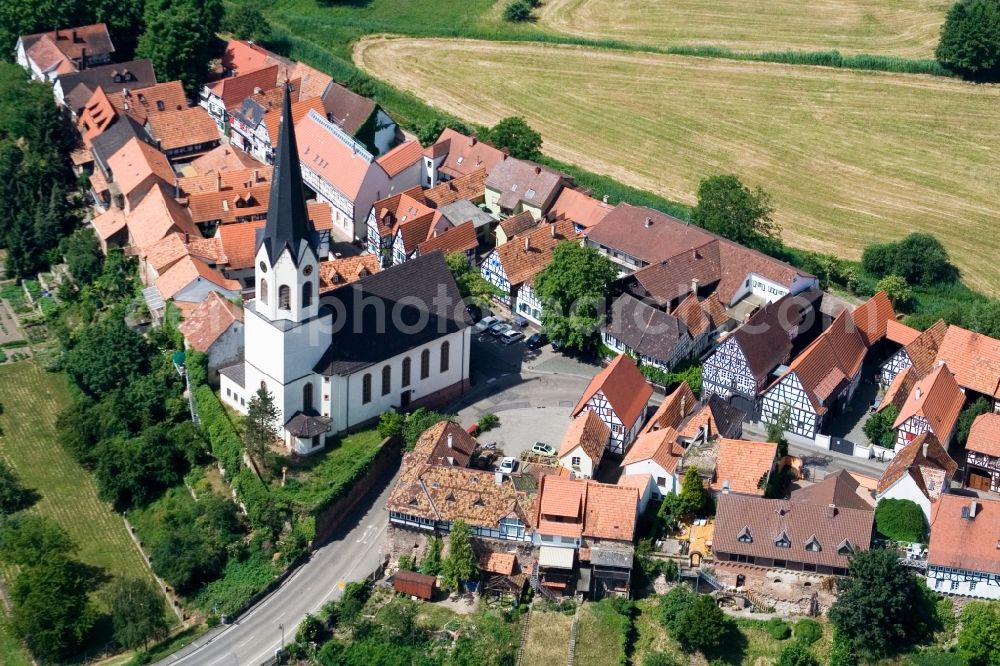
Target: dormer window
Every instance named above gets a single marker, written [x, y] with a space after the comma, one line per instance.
[478, 502]
[845, 548]
[813, 545]
[745, 536]
[450, 497]
[460, 160]
[782, 541]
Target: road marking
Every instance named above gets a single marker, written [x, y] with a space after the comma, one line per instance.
[341, 585]
[246, 641]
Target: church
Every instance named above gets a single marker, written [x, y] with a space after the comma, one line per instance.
[393, 340]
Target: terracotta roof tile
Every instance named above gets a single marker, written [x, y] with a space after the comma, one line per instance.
[921, 465]
[900, 333]
[72, 42]
[239, 243]
[660, 446]
[209, 320]
[588, 432]
[625, 229]
[900, 388]
[166, 251]
[744, 465]
[415, 231]
[141, 103]
[521, 181]
[767, 519]
[737, 262]
[446, 443]
[563, 497]
[336, 273]
[186, 271]
[523, 258]
[715, 310]
[47, 55]
[461, 238]
[677, 406]
[693, 425]
[938, 399]
[156, 216]
[136, 161]
[974, 358]
[180, 129]
[965, 543]
[611, 512]
[209, 249]
[300, 109]
[694, 317]
[626, 390]
[984, 437]
[518, 224]
[313, 82]
[923, 351]
[242, 57]
[110, 222]
[580, 208]
[465, 154]
[223, 158]
[471, 186]
[498, 563]
[320, 214]
[234, 89]
[344, 165]
[840, 489]
[97, 115]
[400, 158]
[226, 179]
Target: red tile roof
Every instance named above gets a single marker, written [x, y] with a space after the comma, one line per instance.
[209, 321]
[694, 317]
[985, 435]
[524, 257]
[924, 467]
[498, 563]
[588, 432]
[224, 158]
[611, 512]
[872, 317]
[186, 271]
[446, 443]
[974, 358]
[237, 204]
[471, 186]
[660, 446]
[579, 207]
[300, 109]
[73, 42]
[464, 154]
[243, 57]
[234, 89]
[166, 251]
[110, 222]
[900, 333]
[744, 465]
[335, 161]
[239, 243]
[626, 390]
[924, 349]
[136, 161]
[518, 224]
[400, 158]
[677, 406]
[140, 103]
[225, 179]
[97, 115]
[156, 216]
[336, 273]
[965, 543]
[938, 399]
[180, 129]
[456, 239]
[47, 56]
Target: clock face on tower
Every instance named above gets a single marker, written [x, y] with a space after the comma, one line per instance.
[263, 267]
[307, 271]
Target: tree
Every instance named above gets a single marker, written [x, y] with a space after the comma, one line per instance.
[50, 606]
[900, 520]
[967, 417]
[247, 21]
[260, 425]
[27, 539]
[797, 654]
[879, 607]
[460, 565]
[13, 495]
[515, 136]
[702, 625]
[970, 39]
[879, 427]
[125, 22]
[133, 472]
[777, 428]
[418, 421]
[896, 289]
[311, 630]
[108, 356]
[431, 564]
[138, 614]
[693, 495]
[984, 317]
[979, 639]
[390, 424]
[517, 11]
[179, 38]
[574, 288]
[471, 284]
[920, 259]
[186, 559]
[26, 18]
[83, 255]
[731, 209]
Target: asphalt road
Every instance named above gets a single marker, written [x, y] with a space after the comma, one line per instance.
[352, 555]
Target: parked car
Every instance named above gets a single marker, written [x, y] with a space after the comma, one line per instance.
[520, 321]
[483, 324]
[543, 449]
[557, 345]
[508, 464]
[536, 341]
[498, 328]
[511, 336]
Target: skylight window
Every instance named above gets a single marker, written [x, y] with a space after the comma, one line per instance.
[530, 193]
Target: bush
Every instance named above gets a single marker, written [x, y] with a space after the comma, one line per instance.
[658, 659]
[900, 520]
[808, 631]
[517, 11]
[920, 259]
[778, 629]
[878, 428]
[797, 654]
[970, 39]
[488, 421]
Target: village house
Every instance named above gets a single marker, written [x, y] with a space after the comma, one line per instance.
[918, 354]
[583, 445]
[580, 208]
[841, 488]
[742, 366]
[658, 339]
[345, 175]
[514, 226]
[182, 134]
[446, 443]
[254, 123]
[454, 155]
[655, 453]
[729, 465]
[215, 328]
[46, 55]
[74, 89]
[221, 160]
[920, 472]
[974, 358]
[962, 553]
[221, 96]
[932, 406]
[191, 280]
[619, 394]
[459, 239]
[512, 267]
[514, 186]
[399, 223]
[982, 463]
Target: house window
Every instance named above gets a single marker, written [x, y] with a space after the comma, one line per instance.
[386, 380]
[972, 584]
[307, 398]
[284, 297]
[661, 481]
[546, 537]
[229, 393]
[263, 291]
[954, 584]
[511, 528]
[406, 371]
[745, 536]
[575, 461]
[783, 541]
[307, 294]
[809, 567]
[425, 364]
[445, 349]
[366, 388]
[779, 563]
[315, 442]
[813, 545]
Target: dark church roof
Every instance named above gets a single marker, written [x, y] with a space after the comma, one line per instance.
[387, 313]
[303, 425]
[287, 221]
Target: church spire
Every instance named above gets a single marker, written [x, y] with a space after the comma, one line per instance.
[287, 221]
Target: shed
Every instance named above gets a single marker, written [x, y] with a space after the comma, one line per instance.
[414, 584]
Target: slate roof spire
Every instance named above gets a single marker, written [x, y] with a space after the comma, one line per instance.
[287, 222]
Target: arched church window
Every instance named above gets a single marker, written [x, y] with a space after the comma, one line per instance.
[406, 371]
[307, 398]
[284, 297]
[263, 291]
[366, 388]
[445, 353]
[386, 380]
[425, 364]
[307, 294]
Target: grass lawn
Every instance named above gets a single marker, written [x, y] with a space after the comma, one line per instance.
[598, 635]
[893, 27]
[849, 157]
[314, 479]
[650, 636]
[547, 642]
[31, 399]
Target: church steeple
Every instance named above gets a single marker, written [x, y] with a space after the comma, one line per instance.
[287, 221]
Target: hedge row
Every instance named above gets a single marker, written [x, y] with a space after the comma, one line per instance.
[222, 437]
[862, 61]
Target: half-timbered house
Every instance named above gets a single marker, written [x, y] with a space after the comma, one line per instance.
[920, 472]
[962, 553]
[655, 337]
[919, 354]
[619, 394]
[933, 405]
[982, 463]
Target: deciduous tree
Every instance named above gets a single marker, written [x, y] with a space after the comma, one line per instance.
[797, 654]
[896, 289]
[900, 520]
[179, 38]
[967, 417]
[83, 255]
[729, 208]
[247, 21]
[979, 639]
[970, 39]
[878, 428]
[516, 136]
[460, 565]
[13, 495]
[471, 284]
[574, 289]
[138, 614]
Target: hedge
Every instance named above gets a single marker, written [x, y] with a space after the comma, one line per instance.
[222, 437]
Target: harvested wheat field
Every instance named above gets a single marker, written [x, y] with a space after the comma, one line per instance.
[849, 157]
[907, 28]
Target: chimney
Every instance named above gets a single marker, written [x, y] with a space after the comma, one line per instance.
[472, 141]
[918, 393]
[694, 286]
[83, 58]
[450, 437]
[527, 244]
[177, 188]
[648, 223]
[831, 510]
[256, 175]
[973, 506]
[498, 478]
[552, 229]
[257, 90]
[538, 170]
[74, 36]
[683, 405]
[57, 34]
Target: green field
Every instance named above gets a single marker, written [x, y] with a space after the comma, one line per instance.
[599, 635]
[548, 639]
[850, 157]
[907, 28]
[31, 399]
